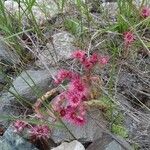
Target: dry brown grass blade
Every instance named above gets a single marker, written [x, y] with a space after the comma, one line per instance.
[40, 101]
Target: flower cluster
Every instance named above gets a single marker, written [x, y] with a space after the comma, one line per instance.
[128, 38]
[70, 103]
[145, 12]
[35, 132]
[40, 132]
[65, 75]
[19, 125]
[89, 62]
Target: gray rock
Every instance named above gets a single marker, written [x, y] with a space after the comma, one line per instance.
[50, 8]
[75, 1]
[111, 10]
[60, 50]
[114, 146]
[26, 93]
[2, 80]
[104, 1]
[138, 2]
[130, 84]
[12, 141]
[10, 107]
[8, 55]
[31, 84]
[74, 145]
[92, 130]
[139, 131]
[107, 142]
[4, 145]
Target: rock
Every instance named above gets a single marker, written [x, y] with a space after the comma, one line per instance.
[99, 11]
[138, 2]
[62, 50]
[143, 141]
[131, 85]
[111, 10]
[31, 84]
[27, 87]
[109, 1]
[43, 10]
[11, 6]
[107, 142]
[132, 80]
[12, 141]
[4, 145]
[7, 55]
[92, 130]
[114, 146]
[139, 131]
[76, 1]
[2, 81]
[2, 78]
[50, 7]
[26, 93]
[74, 145]
[10, 107]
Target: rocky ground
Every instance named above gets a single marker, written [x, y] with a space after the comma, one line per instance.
[22, 86]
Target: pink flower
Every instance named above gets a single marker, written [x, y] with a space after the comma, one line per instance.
[88, 65]
[40, 131]
[59, 104]
[103, 60]
[75, 76]
[65, 75]
[145, 12]
[80, 121]
[57, 81]
[79, 86]
[62, 75]
[82, 109]
[73, 98]
[94, 58]
[19, 125]
[76, 119]
[79, 54]
[62, 112]
[76, 116]
[128, 38]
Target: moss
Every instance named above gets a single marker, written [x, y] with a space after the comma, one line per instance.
[115, 117]
[119, 130]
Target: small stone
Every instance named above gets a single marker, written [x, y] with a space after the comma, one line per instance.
[10, 107]
[32, 84]
[74, 145]
[4, 145]
[42, 10]
[27, 87]
[7, 54]
[2, 82]
[60, 50]
[111, 9]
